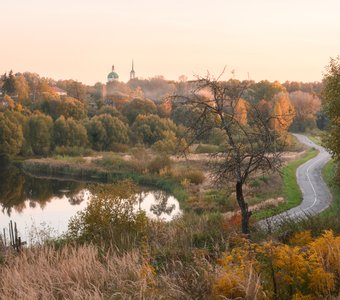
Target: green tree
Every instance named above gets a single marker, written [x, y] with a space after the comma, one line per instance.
[104, 131]
[331, 106]
[138, 107]
[40, 133]
[69, 133]
[77, 134]
[11, 135]
[60, 132]
[112, 111]
[96, 133]
[8, 86]
[264, 90]
[150, 129]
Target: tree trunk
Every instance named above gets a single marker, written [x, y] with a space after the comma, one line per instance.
[244, 208]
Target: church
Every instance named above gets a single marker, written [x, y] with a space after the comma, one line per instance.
[113, 75]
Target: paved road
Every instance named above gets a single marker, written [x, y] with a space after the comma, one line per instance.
[316, 195]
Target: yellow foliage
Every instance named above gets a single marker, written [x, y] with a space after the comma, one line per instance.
[299, 296]
[283, 113]
[291, 264]
[306, 269]
[327, 249]
[241, 111]
[301, 238]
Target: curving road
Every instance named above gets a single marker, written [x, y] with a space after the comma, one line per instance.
[316, 195]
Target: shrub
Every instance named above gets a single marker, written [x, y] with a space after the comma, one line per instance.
[159, 163]
[194, 176]
[109, 214]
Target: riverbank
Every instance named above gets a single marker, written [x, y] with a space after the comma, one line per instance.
[89, 171]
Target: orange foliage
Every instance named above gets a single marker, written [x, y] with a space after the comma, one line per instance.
[283, 113]
[241, 112]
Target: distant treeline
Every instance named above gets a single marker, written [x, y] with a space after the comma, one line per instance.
[40, 116]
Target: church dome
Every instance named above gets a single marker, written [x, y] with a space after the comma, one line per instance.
[112, 75]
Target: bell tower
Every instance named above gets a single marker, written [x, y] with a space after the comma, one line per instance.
[132, 72]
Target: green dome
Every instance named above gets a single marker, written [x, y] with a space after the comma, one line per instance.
[112, 75]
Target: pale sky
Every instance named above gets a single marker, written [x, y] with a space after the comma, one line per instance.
[81, 39]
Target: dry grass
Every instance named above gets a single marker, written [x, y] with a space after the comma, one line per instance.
[82, 273]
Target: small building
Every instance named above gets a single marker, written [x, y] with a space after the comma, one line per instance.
[59, 91]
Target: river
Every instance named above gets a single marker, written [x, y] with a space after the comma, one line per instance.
[42, 207]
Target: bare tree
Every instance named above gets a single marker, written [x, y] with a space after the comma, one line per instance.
[250, 145]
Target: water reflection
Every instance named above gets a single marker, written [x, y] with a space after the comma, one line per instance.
[27, 200]
[18, 190]
[159, 205]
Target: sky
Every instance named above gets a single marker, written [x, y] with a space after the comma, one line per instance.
[81, 39]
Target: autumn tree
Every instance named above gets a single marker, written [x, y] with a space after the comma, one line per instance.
[69, 107]
[331, 106]
[7, 103]
[283, 113]
[248, 145]
[22, 89]
[306, 106]
[73, 88]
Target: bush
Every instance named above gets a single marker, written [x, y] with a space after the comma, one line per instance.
[159, 163]
[194, 176]
[109, 214]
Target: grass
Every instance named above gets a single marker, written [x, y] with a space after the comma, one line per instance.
[315, 139]
[328, 174]
[290, 189]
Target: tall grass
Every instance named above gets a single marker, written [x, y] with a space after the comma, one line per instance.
[173, 262]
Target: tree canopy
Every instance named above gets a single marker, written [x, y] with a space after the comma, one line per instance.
[331, 105]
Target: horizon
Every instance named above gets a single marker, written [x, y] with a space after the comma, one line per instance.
[262, 40]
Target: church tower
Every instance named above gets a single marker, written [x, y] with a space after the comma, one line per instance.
[132, 72]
